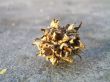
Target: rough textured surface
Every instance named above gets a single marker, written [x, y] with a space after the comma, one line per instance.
[20, 23]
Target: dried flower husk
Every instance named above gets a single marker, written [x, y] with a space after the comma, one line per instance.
[59, 43]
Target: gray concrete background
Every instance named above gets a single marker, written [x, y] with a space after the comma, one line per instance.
[20, 23]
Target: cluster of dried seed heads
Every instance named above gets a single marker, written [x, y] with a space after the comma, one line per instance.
[59, 43]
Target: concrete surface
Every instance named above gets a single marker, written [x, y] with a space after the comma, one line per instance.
[20, 23]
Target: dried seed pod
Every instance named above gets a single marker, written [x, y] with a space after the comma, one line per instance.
[59, 43]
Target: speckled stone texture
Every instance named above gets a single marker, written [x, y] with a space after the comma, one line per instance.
[20, 23]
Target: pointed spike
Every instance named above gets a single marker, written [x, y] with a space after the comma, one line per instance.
[77, 28]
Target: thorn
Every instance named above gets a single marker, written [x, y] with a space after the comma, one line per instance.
[77, 28]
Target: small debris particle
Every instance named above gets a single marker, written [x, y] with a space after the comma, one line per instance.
[2, 71]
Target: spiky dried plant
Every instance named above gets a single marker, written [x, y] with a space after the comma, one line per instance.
[59, 43]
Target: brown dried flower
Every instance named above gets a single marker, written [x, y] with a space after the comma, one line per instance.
[59, 43]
